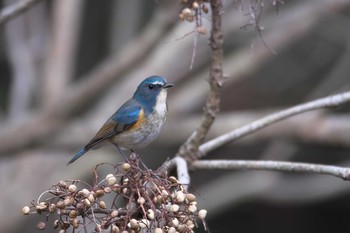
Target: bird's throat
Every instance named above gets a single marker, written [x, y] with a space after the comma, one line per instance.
[161, 105]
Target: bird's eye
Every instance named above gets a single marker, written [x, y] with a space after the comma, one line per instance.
[151, 86]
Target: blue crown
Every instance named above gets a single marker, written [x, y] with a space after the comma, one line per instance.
[148, 90]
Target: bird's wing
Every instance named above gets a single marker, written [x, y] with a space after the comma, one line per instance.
[126, 117]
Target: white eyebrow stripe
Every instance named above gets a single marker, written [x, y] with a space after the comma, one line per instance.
[158, 83]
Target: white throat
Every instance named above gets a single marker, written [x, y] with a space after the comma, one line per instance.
[161, 106]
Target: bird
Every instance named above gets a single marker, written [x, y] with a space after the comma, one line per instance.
[137, 122]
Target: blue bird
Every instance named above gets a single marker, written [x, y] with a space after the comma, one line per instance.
[137, 122]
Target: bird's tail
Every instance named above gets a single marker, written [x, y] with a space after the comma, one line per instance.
[77, 155]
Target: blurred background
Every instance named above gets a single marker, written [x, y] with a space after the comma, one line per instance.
[66, 66]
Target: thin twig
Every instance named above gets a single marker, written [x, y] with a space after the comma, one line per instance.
[13, 10]
[191, 145]
[327, 102]
[341, 172]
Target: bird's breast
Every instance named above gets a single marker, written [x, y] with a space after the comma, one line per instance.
[147, 128]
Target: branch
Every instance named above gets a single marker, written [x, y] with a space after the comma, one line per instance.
[24, 71]
[327, 102]
[15, 9]
[340, 172]
[190, 147]
[63, 44]
[182, 170]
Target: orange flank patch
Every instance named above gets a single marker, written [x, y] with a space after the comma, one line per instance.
[139, 121]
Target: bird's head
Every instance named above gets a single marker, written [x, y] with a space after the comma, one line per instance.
[152, 91]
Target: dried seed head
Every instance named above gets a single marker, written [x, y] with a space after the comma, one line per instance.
[60, 205]
[85, 192]
[114, 213]
[175, 222]
[173, 179]
[56, 224]
[180, 197]
[125, 190]
[126, 181]
[41, 206]
[102, 204]
[165, 193]
[52, 208]
[134, 224]
[111, 179]
[99, 193]
[126, 167]
[91, 198]
[174, 208]
[107, 190]
[87, 202]
[67, 201]
[75, 223]
[72, 188]
[115, 229]
[186, 11]
[98, 228]
[25, 210]
[144, 223]
[141, 200]
[116, 188]
[150, 214]
[195, 5]
[156, 200]
[73, 214]
[171, 230]
[192, 208]
[158, 230]
[41, 225]
[181, 227]
[190, 224]
[202, 214]
[190, 197]
[62, 184]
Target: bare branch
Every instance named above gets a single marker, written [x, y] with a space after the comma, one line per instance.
[15, 9]
[215, 83]
[22, 65]
[62, 48]
[327, 102]
[181, 168]
[336, 171]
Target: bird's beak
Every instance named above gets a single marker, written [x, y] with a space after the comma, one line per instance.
[168, 85]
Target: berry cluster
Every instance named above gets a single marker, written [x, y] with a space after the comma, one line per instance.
[192, 10]
[130, 200]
